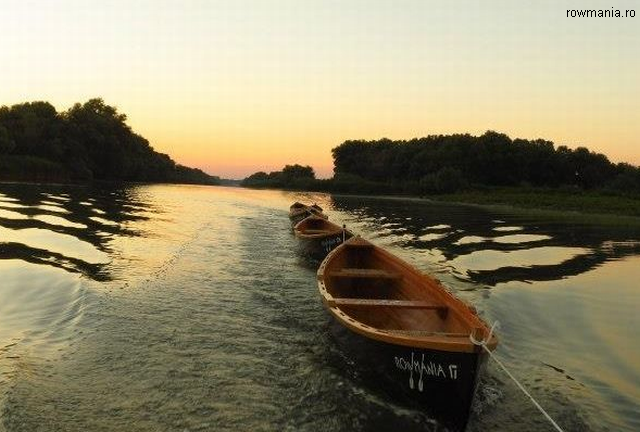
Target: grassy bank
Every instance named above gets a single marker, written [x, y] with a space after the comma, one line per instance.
[550, 200]
[568, 205]
[592, 216]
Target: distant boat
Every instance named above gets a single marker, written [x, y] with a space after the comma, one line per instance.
[320, 236]
[298, 205]
[405, 329]
[299, 211]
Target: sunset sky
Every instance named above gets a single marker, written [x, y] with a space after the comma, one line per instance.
[238, 86]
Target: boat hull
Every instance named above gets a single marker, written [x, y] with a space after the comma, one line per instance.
[441, 383]
[319, 247]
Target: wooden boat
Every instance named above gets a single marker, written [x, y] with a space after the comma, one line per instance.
[298, 205]
[299, 211]
[319, 236]
[405, 329]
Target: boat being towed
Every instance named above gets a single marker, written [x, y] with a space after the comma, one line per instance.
[319, 236]
[298, 205]
[299, 211]
[405, 330]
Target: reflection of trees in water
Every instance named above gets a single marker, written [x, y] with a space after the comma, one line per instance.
[112, 206]
[54, 259]
[412, 219]
[571, 267]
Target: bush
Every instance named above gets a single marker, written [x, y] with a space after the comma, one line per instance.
[627, 181]
[447, 180]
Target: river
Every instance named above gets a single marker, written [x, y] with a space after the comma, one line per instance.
[192, 308]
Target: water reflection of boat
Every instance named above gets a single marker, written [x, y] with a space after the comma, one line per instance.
[299, 211]
[319, 236]
[405, 329]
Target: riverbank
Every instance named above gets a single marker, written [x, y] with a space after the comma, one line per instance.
[571, 204]
[30, 169]
[550, 199]
[567, 205]
[565, 215]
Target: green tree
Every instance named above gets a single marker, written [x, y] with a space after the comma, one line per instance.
[6, 143]
[89, 141]
[296, 171]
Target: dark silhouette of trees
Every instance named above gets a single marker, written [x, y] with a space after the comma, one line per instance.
[6, 143]
[446, 163]
[439, 164]
[291, 172]
[90, 141]
[291, 177]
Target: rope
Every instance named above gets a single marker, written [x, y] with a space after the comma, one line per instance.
[483, 344]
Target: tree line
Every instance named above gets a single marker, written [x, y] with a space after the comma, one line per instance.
[89, 141]
[450, 163]
[290, 177]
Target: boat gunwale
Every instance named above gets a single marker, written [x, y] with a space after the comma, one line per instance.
[436, 341]
[312, 212]
[335, 229]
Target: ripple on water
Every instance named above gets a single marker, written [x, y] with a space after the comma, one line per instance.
[438, 227]
[58, 221]
[52, 208]
[506, 239]
[508, 228]
[8, 214]
[4, 198]
[470, 240]
[432, 236]
[61, 197]
[103, 221]
[7, 204]
[492, 260]
[40, 307]
[64, 244]
[51, 203]
[521, 238]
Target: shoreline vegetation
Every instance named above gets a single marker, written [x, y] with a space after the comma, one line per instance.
[88, 142]
[489, 170]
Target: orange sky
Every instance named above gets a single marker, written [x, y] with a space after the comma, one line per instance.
[236, 87]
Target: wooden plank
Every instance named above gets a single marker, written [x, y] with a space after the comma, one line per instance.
[407, 304]
[364, 273]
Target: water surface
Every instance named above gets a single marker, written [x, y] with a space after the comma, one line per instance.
[160, 307]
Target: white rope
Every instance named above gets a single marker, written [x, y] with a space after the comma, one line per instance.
[483, 344]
